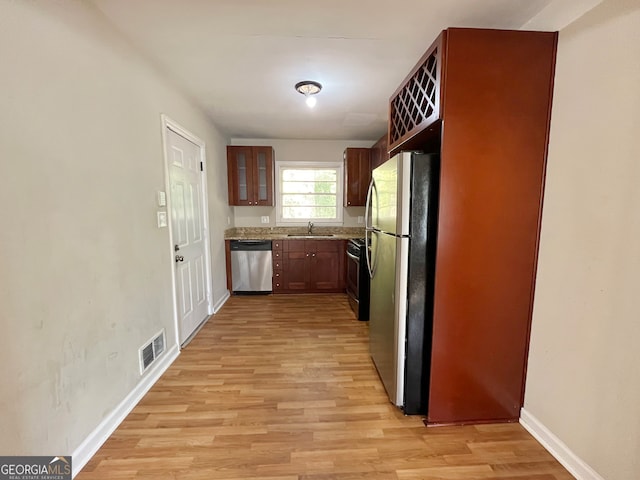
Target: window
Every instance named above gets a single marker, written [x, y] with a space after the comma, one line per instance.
[309, 192]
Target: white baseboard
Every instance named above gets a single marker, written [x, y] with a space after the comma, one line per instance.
[221, 302]
[103, 431]
[556, 447]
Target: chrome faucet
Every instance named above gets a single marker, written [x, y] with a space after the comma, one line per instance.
[309, 228]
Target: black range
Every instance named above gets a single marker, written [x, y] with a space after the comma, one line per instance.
[358, 278]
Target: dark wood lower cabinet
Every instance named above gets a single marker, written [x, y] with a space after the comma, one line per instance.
[327, 267]
[296, 266]
[312, 266]
[278, 263]
[227, 255]
[304, 266]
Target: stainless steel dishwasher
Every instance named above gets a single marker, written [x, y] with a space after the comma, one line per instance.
[251, 267]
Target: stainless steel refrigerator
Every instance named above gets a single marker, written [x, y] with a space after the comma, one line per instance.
[402, 209]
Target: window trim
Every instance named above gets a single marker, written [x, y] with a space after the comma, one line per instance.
[338, 166]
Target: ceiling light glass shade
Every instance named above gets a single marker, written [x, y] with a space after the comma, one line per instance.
[309, 88]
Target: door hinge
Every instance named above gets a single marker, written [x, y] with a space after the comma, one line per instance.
[201, 167]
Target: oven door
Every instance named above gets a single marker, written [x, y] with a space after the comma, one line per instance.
[353, 279]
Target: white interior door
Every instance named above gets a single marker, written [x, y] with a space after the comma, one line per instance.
[188, 231]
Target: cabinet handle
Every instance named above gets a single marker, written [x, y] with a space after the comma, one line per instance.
[313, 254]
[307, 254]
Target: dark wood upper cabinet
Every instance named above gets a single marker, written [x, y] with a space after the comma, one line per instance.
[250, 175]
[379, 152]
[484, 99]
[357, 176]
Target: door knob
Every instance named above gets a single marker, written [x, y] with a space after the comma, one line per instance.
[179, 258]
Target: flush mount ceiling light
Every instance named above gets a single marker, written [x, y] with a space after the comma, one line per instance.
[309, 88]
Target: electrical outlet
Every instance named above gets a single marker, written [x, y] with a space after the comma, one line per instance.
[360, 219]
[264, 219]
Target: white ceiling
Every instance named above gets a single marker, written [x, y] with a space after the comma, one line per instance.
[240, 59]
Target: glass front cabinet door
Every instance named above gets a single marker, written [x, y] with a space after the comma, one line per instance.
[250, 175]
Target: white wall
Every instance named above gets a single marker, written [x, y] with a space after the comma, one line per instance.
[302, 151]
[85, 272]
[583, 382]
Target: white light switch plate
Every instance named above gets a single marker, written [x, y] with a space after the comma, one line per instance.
[360, 219]
[162, 199]
[162, 219]
[264, 219]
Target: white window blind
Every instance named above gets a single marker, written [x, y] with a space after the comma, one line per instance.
[309, 192]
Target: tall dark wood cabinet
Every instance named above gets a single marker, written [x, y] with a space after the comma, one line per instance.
[483, 99]
[250, 175]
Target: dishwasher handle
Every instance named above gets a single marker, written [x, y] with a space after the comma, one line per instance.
[250, 245]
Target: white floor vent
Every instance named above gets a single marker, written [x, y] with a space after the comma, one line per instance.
[151, 350]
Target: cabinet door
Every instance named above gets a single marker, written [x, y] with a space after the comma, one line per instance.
[263, 176]
[296, 266]
[357, 176]
[250, 175]
[379, 152]
[325, 273]
[240, 175]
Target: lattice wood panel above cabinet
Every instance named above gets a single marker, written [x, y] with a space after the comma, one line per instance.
[416, 103]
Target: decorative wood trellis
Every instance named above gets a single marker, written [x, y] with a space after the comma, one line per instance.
[417, 100]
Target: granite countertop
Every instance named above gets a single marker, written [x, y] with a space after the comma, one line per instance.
[275, 233]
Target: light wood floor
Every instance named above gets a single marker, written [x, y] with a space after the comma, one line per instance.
[282, 388]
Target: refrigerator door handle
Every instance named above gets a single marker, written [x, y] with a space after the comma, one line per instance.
[371, 255]
[367, 208]
[368, 252]
[368, 227]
